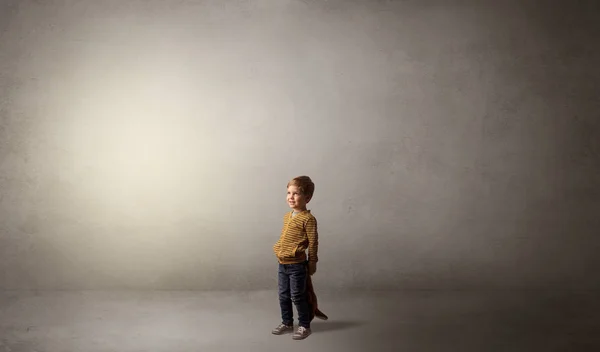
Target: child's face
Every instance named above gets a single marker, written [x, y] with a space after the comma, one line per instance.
[296, 199]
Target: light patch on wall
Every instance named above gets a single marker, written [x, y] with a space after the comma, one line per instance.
[129, 123]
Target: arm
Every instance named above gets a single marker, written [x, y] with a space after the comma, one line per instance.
[277, 245]
[313, 244]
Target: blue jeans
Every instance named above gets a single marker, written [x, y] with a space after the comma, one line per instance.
[292, 288]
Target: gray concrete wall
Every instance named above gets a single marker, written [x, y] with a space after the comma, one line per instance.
[454, 144]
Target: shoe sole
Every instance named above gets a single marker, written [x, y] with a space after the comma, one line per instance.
[282, 332]
[300, 337]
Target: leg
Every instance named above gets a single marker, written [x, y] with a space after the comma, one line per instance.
[312, 298]
[285, 298]
[298, 275]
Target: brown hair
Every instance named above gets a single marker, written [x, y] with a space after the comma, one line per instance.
[304, 184]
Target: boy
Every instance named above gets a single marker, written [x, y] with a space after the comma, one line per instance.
[299, 233]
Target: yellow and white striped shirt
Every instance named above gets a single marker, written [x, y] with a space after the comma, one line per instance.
[299, 233]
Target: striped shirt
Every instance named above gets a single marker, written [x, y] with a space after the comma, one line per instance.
[299, 234]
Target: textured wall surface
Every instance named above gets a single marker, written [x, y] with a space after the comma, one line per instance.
[147, 144]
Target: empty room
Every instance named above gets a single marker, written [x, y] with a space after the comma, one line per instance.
[299, 175]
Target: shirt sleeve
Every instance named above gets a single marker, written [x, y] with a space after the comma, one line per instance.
[313, 240]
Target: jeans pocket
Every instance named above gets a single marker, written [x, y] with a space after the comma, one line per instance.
[299, 268]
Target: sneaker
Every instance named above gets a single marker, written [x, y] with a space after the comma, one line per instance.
[282, 329]
[301, 333]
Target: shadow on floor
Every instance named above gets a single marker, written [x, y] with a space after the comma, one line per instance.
[332, 325]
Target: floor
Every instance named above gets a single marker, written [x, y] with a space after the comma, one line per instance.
[412, 321]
